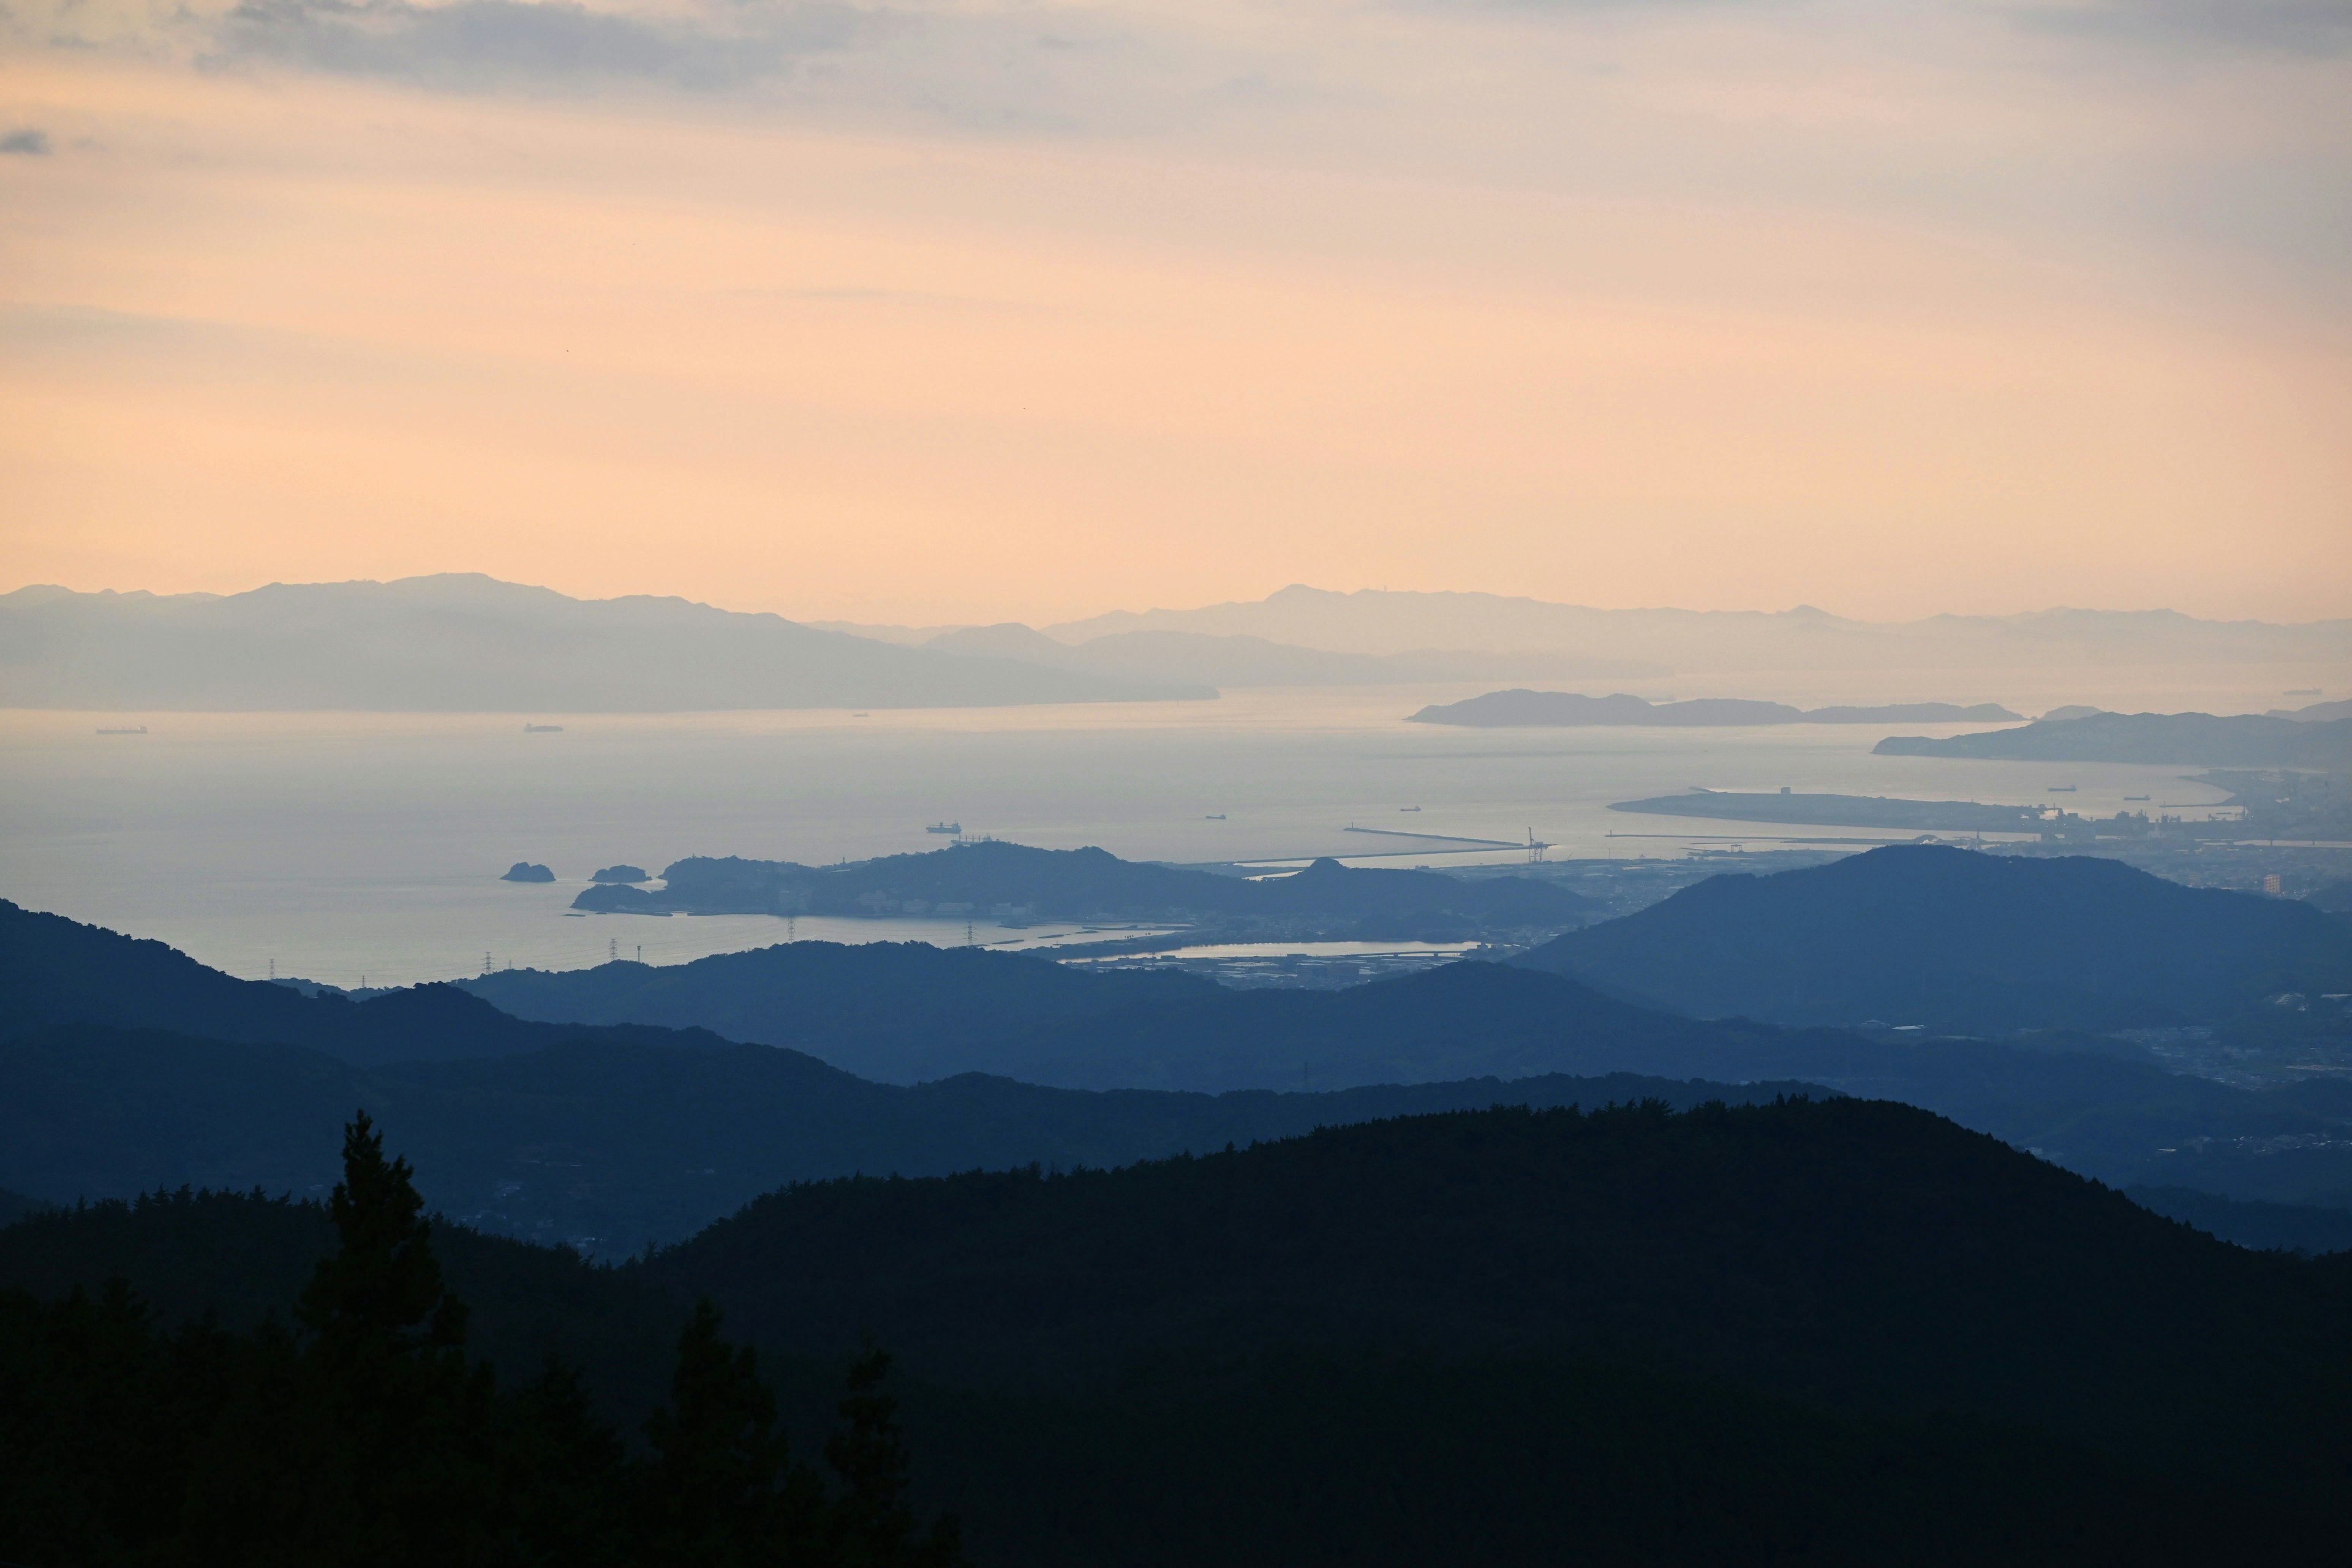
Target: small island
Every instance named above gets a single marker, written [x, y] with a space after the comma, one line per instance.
[620, 874]
[524, 871]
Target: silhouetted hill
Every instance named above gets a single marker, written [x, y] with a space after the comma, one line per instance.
[1300, 1458]
[1853, 1253]
[466, 643]
[1913, 934]
[2240, 741]
[55, 970]
[245, 1257]
[611, 1144]
[1497, 709]
[983, 876]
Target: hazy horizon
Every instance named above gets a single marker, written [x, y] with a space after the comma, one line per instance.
[939, 313]
[885, 621]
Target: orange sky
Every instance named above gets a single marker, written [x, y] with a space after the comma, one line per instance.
[1004, 313]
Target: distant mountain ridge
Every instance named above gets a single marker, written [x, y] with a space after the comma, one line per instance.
[462, 642]
[1926, 934]
[1376, 621]
[1243, 661]
[1496, 710]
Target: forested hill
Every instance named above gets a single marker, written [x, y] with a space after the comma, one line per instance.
[1495, 1334]
[55, 970]
[1926, 934]
[1856, 1253]
[982, 876]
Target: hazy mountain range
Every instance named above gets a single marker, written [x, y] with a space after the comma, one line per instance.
[1180, 656]
[1502, 709]
[1376, 621]
[466, 643]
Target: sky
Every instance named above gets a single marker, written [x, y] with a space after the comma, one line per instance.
[988, 309]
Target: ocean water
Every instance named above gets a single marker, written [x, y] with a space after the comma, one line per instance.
[348, 846]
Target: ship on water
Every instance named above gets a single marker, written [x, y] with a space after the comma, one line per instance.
[953, 827]
[139, 730]
[542, 728]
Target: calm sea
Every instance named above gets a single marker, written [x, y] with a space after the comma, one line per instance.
[341, 846]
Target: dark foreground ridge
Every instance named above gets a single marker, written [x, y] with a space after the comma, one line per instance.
[356, 1428]
[1826, 1332]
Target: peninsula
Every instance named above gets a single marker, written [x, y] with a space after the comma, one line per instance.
[2240, 741]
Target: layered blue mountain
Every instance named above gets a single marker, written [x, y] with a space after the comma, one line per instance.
[2199, 740]
[983, 877]
[604, 1119]
[610, 1143]
[1929, 934]
[55, 970]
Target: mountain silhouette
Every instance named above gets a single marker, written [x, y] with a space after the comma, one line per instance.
[55, 970]
[1929, 934]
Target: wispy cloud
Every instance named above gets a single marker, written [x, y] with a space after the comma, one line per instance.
[2291, 26]
[487, 42]
[28, 142]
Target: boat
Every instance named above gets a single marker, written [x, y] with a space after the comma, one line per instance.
[1408, 809]
[954, 827]
[2061, 789]
[139, 730]
[1214, 816]
[2135, 797]
[542, 728]
[861, 715]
